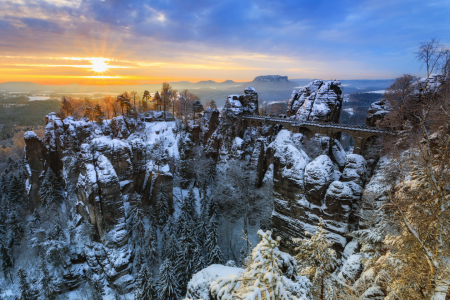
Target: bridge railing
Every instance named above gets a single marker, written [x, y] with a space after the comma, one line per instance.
[298, 123]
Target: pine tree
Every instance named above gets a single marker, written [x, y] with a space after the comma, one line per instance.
[3, 185]
[211, 173]
[213, 252]
[172, 250]
[244, 254]
[24, 287]
[99, 115]
[162, 207]
[213, 208]
[261, 280]
[17, 190]
[198, 262]
[151, 248]
[15, 225]
[7, 262]
[50, 191]
[316, 258]
[188, 242]
[137, 217]
[167, 286]
[145, 287]
[45, 281]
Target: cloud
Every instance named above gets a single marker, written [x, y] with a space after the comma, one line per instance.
[297, 36]
[42, 25]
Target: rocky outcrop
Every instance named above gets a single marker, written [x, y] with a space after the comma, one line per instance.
[101, 166]
[319, 101]
[377, 111]
[36, 155]
[242, 104]
[230, 125]
[101, 163]
[318, 175]
[209, 123]
[100, 199]
[305, 191]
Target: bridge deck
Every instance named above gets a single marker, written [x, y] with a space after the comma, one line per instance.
[298, 123]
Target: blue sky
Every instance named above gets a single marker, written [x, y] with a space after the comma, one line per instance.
[195, 40]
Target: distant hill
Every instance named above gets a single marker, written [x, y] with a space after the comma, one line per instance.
[269, 87]
[271, 78]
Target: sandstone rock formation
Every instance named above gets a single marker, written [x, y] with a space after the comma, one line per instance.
[377, 111]
[319, 101]
[36, 155]
[242, 104]
[101, 166]
[305, 191]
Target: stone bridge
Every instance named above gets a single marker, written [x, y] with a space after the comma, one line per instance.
[360, 134]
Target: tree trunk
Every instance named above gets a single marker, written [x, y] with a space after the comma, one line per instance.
[164, 109]
[321, 289]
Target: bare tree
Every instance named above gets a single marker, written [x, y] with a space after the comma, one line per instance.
[434, 55]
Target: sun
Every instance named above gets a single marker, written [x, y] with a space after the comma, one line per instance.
[99, 65]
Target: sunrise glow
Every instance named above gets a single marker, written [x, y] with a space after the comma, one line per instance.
[99, 65]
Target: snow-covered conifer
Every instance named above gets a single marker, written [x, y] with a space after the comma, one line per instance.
[46, 291]
[137, 216]
[211, 173]
[198, 262]
[162, 207]
[145, 286]
[7, 261]
[151, 247]
[17, 190]
[172, 249]
[24, 286]
[167, 286]
[316, 258]
[261, 280]
[50, 191]
[213, 252]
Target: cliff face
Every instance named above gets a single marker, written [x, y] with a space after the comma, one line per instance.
[101, 166]
[307, 189]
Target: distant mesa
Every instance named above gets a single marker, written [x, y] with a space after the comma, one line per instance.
[271, 78]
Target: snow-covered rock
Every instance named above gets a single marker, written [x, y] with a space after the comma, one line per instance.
[317, 101]
[377, 111]
[338, 153]
[351, 269]
[199, 286]
[242, 104]
[318, 175]
[374, 293]
[355, 169]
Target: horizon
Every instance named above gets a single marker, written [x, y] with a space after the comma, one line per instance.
[192, 82]
[91, 42]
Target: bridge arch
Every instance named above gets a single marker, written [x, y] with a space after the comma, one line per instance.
[369, 142]
[305, 131]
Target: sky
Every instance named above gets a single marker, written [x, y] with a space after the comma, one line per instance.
[111, 42]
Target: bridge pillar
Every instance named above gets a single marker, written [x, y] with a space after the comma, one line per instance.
[359, 144]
